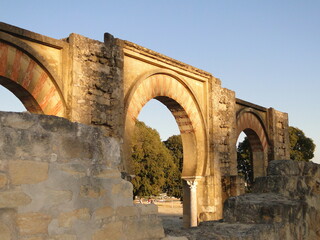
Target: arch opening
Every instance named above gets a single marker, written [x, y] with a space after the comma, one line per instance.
[166, 151]
[25, 98]
[30, 81]
[252, 147]
[172, 175]
[250, 157]
[182, 103]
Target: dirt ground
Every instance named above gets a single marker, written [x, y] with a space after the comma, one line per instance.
[171, 214]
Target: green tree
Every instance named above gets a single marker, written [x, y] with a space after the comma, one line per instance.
[174, 183]
[244, 159]
[301, 147]
[174, 144]
[151, 161]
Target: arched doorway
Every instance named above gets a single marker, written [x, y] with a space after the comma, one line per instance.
[252, 126]
[157, 148]
[175, 94]
[28, 79]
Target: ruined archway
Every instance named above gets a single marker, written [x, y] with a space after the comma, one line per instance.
[175, 94]
[30, 81]
[252, 125]
[179, 99]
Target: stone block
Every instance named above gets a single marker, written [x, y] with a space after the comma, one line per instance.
[56, 197]
[66, 219]
[108, 173]
[35, 238]
[285, 168]
[33, 223]
[63, 237]
[311, 169]
[91, 191]
[123, 189]
[3, 180]
[147, 209]
[5, 233]
[144, 228]
[111, 231]
[104, 212]
[28, 172]
[174, 238]
[76, 170]
[278, 184]
[12, 199]
[3, 164]
[262, 208]
[127, 211]
[18, 121]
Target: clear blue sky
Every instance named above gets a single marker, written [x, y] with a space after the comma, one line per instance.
[268, 52]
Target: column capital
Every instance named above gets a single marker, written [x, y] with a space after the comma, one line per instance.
[192, 181]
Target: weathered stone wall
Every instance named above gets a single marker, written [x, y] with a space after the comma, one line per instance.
[59, 181]
[279, 134]
[223, 124]
[97, 83]
[284, 205]
[223, 141]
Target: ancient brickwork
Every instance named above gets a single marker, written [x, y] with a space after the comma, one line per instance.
[224, 126]
[278, 130]
[283, 205]
[97, 91]
[59, 181]
[106, 84]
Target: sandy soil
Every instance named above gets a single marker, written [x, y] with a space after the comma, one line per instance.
[171, 214]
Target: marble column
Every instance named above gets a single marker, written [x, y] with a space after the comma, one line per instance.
[192, 183]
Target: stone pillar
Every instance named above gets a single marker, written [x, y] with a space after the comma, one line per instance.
[193, 219]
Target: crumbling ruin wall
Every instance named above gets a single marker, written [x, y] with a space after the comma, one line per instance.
[59, 181]
[283, 205]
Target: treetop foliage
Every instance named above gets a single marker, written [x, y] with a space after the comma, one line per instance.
[174, 144]
[153, 164]
[301, 147]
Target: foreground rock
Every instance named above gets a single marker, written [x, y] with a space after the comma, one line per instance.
[59, 181]
[283, 205]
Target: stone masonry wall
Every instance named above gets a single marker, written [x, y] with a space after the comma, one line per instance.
[223, 143]
[224, 122]
[59, 181]
[283, 205]
[97, 83]
[279, 134]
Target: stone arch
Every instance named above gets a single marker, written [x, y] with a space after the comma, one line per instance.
[175, 94]
[249, 122]
[30, 81]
